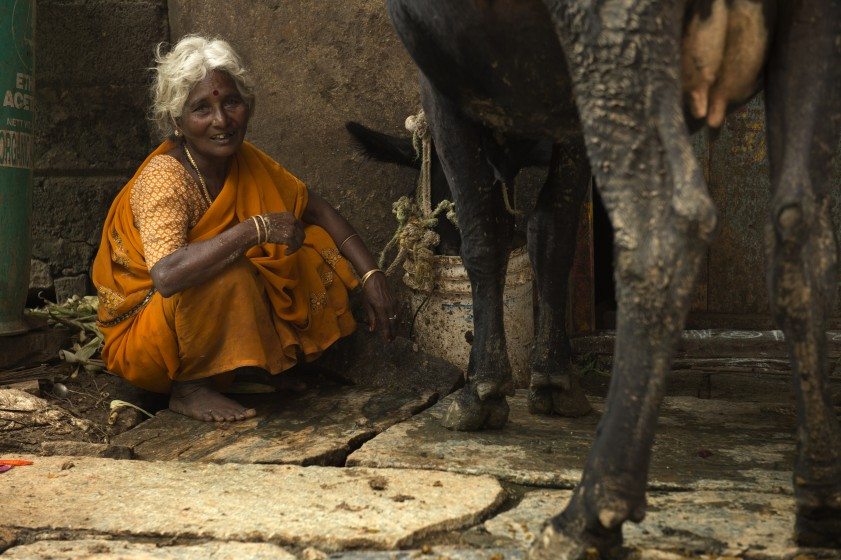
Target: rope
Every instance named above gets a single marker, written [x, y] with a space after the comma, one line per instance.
[415, 236]
[422, 142]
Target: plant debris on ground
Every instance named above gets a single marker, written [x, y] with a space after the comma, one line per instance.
[86, 400]
[75, 383]
[79, 314]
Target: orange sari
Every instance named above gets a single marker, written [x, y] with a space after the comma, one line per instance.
[267, 310]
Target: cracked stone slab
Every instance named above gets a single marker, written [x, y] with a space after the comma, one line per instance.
[96, 549]
[319, 427]
[85, 449]
[715, 523]
[328, 508]
[362, 359]
[436, 553]
[701, 444]
[756, 345]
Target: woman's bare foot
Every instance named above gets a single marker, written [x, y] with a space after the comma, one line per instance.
[199, 400]
[290, 380]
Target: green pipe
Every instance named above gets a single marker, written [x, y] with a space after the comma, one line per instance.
[17, 112]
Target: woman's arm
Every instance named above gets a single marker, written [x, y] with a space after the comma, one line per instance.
[379, 304]
[319, 212]
[196, 262]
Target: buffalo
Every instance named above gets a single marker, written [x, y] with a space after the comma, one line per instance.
[616, 86]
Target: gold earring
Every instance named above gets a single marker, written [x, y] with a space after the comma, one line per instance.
[177, 133]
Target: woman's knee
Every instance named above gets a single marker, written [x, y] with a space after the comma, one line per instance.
[241, 274]
[236, 283]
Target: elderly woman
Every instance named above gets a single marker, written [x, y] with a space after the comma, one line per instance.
[214, 257]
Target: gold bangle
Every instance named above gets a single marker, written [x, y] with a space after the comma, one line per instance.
[266, 228]
[368, 275]
[257, 227]
[348, 238]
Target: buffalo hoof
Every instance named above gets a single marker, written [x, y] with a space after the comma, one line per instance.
[468, 413]
[818, 527]
[540, 400]
[556, 543]
[569, 401]
[553, 544]
[818, 515]
[492, 387]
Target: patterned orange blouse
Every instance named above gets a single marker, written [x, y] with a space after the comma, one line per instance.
[167, 203]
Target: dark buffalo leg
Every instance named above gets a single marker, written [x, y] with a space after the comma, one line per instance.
[485, 230]
[623, 58]
[804, 114]
[551, 234]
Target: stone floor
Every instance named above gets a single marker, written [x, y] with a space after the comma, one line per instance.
[353, 472]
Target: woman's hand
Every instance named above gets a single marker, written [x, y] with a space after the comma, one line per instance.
[285, 229]
[380, 306]
[377, 298]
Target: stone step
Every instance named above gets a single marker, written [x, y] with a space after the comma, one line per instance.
[437, 553]
[328, 508]
[125, 550]
[721, 364]
[30, 349]
[318, 427]
[728, 344]
[701, 444]
[690, 524]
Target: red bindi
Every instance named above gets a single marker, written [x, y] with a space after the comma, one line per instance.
[215, 92]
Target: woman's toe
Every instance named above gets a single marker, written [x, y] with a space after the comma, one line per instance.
[235, 414]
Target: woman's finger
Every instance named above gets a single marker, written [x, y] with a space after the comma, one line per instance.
[372, 315]
[392, 320]
[378, 296]
[388, 319]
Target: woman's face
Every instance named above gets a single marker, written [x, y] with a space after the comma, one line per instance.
[215, 117]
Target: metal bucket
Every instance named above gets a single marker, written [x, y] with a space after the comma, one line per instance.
[443, 325]
[17, 26]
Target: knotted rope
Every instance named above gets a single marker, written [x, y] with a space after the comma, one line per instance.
[415, 237]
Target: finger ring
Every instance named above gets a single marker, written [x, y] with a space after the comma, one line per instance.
[393, 318]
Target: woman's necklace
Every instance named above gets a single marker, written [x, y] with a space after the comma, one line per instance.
[201, 178]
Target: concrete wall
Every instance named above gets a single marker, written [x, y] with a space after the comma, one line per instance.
[91, 129]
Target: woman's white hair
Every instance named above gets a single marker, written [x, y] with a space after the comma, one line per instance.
[177, 72]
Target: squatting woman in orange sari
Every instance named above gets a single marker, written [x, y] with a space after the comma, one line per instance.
[214, 257]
